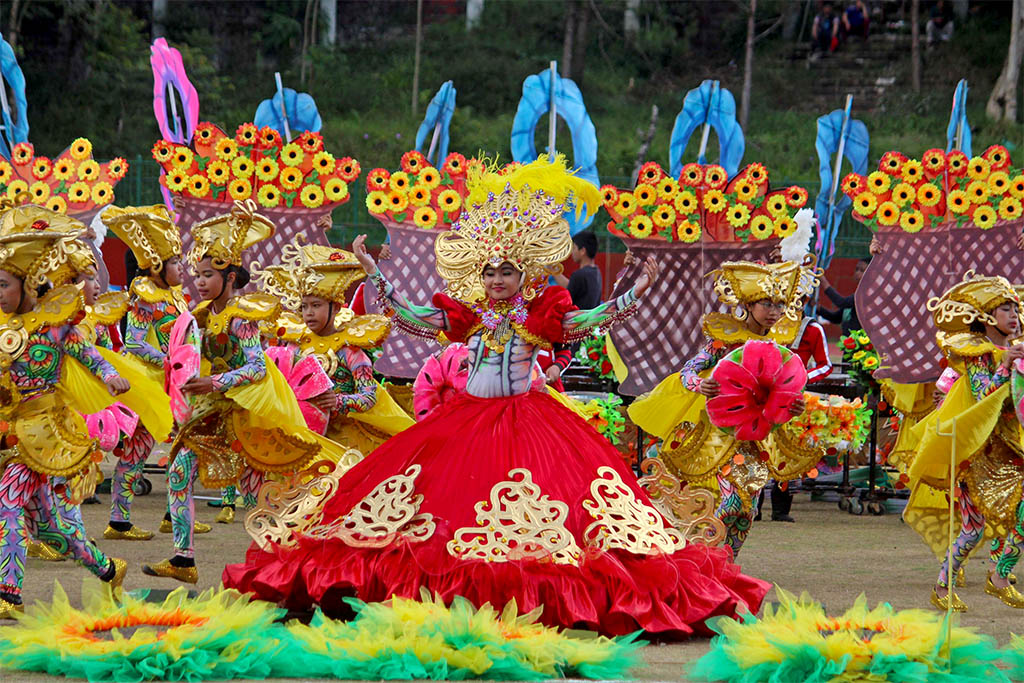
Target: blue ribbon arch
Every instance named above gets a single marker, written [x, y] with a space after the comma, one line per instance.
[712, 104]
[15, 130]
[302, 113]
[569, 105]
[830, 130]
[439, 113]
[958, 115]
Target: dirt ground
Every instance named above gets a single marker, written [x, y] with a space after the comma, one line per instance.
[832, 555]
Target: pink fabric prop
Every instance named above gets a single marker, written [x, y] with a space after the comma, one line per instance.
[307, 379]
[946, 380]
[109, 424]
[758, 382]
[182, 364]
[440, 380]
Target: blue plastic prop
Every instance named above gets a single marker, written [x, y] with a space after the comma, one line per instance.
[712, 104]
[958, 116]
[568, 105]
[302, 113]
[830, 131]
[15, 129]
[439, 113]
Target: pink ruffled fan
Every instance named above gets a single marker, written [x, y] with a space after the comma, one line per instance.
[440, 380]
[107, 425]
[182, 364]
[307, 379]
[759, 382]
[946, 380]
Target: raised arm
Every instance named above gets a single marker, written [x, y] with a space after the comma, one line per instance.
[255, 366]
[577, 321]
[365, 395]
[705, 359]
[984, 381]
[139, 318]
[425, 317]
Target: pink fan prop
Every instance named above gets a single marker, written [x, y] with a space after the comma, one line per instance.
[759, 383]
[307, 379]
[109, 424]
[182, 364]
[946, 380]
[440, 380]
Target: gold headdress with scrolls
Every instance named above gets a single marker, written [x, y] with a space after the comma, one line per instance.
[32, 256]
[149, 231]
[973, 300]
[739, 283]
[75, 256]
[225, 238]
[515, 218]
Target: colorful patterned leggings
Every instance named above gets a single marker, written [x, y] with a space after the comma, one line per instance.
[737, 520]
[136, 449]
[249, 484]
[181, 480]
[28, 505]
[1004, 552]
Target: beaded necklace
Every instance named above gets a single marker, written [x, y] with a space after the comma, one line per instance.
[497, 318]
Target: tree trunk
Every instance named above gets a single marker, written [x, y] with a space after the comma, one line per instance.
[579, 48]
[645, 144]
[14, 24]
[915, 45]
[330, 35]
[159, 17]
[474, 13]
[631, 21]
[1002, 103]
[748, 67]
[569, 38]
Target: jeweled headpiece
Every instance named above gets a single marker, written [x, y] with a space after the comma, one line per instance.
[745, 282]
[973, 300]
[515, 218]
[149, 231]
[32, 256]
[225, 238]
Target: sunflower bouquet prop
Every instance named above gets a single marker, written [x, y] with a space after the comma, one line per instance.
[703, 204]
[859, 353]
[797, 641]
[425, 639]
[836, 424]
[418, 195]
[73, 183]
[593, 355]
[256, 164]
[939, 189]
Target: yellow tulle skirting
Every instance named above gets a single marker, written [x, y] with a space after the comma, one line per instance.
[365, 431]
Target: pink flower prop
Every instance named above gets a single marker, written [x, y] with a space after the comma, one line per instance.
[946, 380]
[759, 383]
[307, 379]
[107, 425]
[182, 364]
[440, 380]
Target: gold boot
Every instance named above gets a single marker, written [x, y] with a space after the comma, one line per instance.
[226, 515]
[197, 528]
[1009, 595]
[133, 533]
[961, 578]
[943, 602]
[7, 609]
[168, 570]
[120, 569]
[40, 550]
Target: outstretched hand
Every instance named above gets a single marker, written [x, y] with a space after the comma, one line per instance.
[797, 407]
[648, 277]
[117, 385]
[363, 256]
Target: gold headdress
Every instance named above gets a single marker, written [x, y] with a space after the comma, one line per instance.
[516, 218]
[278, 280]
[972, 300]
[148, 231]
[225, 238]
[34, 255]
[745, 282]
[29, 219]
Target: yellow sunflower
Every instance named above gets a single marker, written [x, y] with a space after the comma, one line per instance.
[762, 227]
[40, 192]
[227, 149]
[903, 194]
[377, 202]
[664, 216]
[63, 169]
[428, 177]
[266, 170]
[399, 181]
[626, 204]
[1009, 208]
[240, 189]
[80, 149]
[688, 232]
[928, 195]
[641, 226]
[268, 196]
[57, 204]
[746, 190]
[912, 221]
[102, 193]
[878, 182]
[958, 201]
[667, 188]
[6, 172]
[977, 191]
[999, 183]
[984, 216]
[645, 194]
[397, 201]
[198, 186]
[182, 158]
[419, 195]
[78, 193]
[865, 204]
[714, 201]
[88, 170]
[312, 196]
[292, 154]
[776, 204]
[424, 217]
[888, 213]
[335, 190]
[978, 168]
[685, 203]
[1016, 186]
[912, 171]
[449, 200]
[218, 172]
[242, 167]
[738, 215]
[324, 163]
[291, 178]
[784, 226]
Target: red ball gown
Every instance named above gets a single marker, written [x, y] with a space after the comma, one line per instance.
[501, 494]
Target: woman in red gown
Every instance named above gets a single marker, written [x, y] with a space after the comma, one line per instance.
[503, 493]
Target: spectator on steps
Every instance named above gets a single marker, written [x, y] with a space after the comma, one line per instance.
[846, 312]
[940, 23]
[856, 19]
[825, 31]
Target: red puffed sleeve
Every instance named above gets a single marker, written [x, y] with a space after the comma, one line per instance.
[460, 318]
[546, 313]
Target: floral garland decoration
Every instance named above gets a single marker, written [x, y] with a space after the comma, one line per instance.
[940, 189]
[703, 204]
[256, 163]
[419, 195]
[860, 354]
[593, 355]
[73, 183]
[605, 416]
[799, 642]
[837, 424]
